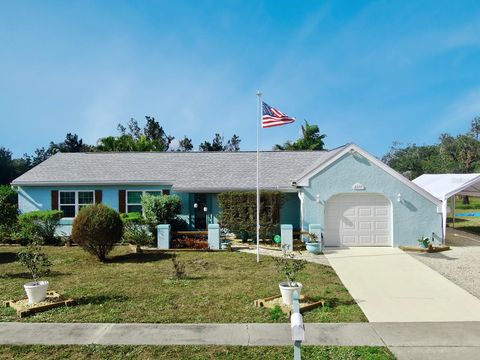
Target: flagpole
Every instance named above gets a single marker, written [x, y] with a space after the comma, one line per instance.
[259, 121]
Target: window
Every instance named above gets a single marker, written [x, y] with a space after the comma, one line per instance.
[134, 199]
[70, 202]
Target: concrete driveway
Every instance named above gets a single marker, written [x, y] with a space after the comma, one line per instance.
[391, 286]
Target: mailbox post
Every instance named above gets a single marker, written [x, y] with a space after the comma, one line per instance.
[298, 328]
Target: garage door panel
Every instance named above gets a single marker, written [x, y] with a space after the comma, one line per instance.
[365, 225]
[381, 225]
[381, 211]
[358, 220]
[364, 212]
[365, 239]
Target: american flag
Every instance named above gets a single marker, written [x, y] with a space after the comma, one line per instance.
[272, 117]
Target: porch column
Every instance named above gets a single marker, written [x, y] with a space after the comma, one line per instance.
[286, 233]
[214, 236]
[163, 236]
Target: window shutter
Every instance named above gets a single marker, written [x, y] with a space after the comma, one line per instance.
[121, 201]
[166, 191]
[54, 199]
[98, 196]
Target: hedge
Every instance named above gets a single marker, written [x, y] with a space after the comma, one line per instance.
[239, 212]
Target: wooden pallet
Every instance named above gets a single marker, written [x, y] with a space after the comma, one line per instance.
[54, 298]
[430, 249]
[271, 302]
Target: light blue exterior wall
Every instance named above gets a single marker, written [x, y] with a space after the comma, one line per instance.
[32, 198]
[414, 216]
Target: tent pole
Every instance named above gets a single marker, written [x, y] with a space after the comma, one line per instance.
[453, 218]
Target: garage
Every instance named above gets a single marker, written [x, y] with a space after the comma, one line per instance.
[358, 220]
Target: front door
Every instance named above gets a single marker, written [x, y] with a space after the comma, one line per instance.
[200, 215]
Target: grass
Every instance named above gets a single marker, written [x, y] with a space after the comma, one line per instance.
[466, 223]
[220, 287]
[93, 352]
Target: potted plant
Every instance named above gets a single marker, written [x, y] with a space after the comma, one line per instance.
[289, 266]
[424, 242]
[313, 244]
[38, 265]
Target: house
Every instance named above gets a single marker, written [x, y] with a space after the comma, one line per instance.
[355, 199]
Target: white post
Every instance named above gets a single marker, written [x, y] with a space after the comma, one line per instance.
[444, 218]
[453, 216]
[259, 121]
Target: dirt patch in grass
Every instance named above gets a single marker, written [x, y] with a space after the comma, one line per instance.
[219, 287]
[94, 352]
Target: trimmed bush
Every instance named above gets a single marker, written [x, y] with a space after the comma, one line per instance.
[40, 225]
[97, 228]
[8, 211]
[161, 209]
[239, 212]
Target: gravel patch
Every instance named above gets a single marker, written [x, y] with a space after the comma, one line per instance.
[461, 264]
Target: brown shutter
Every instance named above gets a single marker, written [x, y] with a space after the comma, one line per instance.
[54, 199]
[166, 191]
[98, 196]
[121, 201]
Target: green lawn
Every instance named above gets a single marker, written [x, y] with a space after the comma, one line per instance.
[137, 288]
[93, 352]
[466, 223]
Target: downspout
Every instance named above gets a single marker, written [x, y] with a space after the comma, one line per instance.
[301, 197]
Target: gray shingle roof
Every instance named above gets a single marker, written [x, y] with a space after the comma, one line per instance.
[200, 171]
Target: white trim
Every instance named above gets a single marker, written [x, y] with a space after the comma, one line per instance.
[75, 204]
[352, 148]
[143, 193]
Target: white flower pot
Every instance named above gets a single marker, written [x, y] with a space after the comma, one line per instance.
[36, 291]
[287, 292]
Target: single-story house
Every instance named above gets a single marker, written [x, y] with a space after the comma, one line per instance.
[355, 198]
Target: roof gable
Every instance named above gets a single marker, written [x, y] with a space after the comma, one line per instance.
[304, 179]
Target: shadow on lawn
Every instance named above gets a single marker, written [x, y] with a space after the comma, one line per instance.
[101, 299]
[8, 257]
[139, 257]
[25, 275]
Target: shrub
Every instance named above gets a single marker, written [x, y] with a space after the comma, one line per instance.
[8, 211]
[35, 261]
[96, 229]
[161, 209]
[239, 212]
[186, 242]
[135, 230]
[42, 224]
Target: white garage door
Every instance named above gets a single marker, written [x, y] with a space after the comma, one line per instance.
[358, 220]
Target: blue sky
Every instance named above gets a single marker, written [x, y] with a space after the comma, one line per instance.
[369, 72]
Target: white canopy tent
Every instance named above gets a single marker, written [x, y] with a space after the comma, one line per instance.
[444, 186]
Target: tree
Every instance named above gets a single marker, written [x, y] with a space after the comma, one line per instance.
[217, 144]
[151, 138]
[311, 139]
[185, 144]
[233, 144]
[475, 127]
[6, 166]
[413, 161]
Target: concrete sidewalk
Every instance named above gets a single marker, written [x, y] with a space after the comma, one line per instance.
[391, 286]
[459, 340]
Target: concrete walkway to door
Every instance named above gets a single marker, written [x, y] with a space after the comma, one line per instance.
[391, 286]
